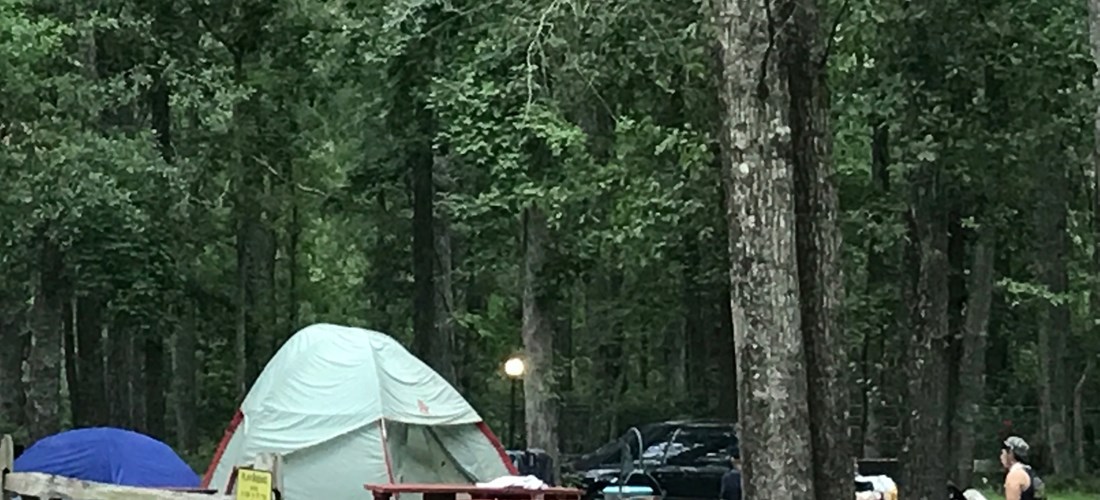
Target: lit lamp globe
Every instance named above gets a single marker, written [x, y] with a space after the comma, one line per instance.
[514, 368]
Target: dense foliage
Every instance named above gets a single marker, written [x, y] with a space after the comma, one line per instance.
[182, 186]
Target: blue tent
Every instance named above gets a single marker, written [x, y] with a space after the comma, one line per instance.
[107, 455]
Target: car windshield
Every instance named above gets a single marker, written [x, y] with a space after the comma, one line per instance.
[610, 454]
[683, 445]
[699, 446]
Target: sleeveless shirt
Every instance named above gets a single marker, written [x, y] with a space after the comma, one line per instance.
[1029, 493]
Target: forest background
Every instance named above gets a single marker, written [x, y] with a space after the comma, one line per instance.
[184, 185]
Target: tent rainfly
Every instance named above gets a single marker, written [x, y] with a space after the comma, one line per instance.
[108, 455]
[346, 406]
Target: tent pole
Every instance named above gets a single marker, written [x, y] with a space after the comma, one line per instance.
[386, 450]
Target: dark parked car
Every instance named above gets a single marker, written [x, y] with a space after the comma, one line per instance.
[682, 459]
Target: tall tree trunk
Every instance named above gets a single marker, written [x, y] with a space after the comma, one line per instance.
[136, 377]
[294, 234]
[155, 383]
[118, 378]
[873, 349]
[972, 362]
[416, 121]
[443, 346]
[154, 354]
[540, 398]
[818, 253]
[72, 374]
[260, 251]
[423, 250]
[924, 469]
[563, 340]
[89, 400]
[243, 219]
[771, 373]
[1081, 463]
[91, 385]
[956, 291]
[727, 368]
[182, 349]
[44, 359]
[611, 344]
[468, 347]
[255, 240]
[14, 341]
[183, 377]
[696, 360]
[1094, 43]
[1050, 257]
[676, 359]
[240, 331]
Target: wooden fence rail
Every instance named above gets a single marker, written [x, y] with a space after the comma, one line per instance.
[49, 487]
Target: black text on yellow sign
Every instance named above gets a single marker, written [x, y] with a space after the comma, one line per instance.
[253, 484]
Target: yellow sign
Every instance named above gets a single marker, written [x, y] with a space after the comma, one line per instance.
[253, 484]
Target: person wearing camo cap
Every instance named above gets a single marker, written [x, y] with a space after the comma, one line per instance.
[1021, 482]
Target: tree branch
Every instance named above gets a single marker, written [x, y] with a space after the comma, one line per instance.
[844, 11]
[197, 9]
[282, 178]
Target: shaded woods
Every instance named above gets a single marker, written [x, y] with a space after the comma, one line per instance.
[901, 201]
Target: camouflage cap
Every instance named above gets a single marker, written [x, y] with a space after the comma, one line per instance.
[1017, 446]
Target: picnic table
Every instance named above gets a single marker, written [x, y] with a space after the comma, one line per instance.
[452, 491]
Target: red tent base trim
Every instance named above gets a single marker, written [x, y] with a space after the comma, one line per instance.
[500, 448]
[239, 417]
[232, 428]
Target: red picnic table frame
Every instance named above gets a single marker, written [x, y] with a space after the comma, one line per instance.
[451, 491]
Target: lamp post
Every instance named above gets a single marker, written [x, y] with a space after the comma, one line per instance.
[514, 368]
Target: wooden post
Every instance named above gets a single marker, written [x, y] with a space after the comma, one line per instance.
[272, 463]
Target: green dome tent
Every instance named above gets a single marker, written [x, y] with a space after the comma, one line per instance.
[346, 406]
